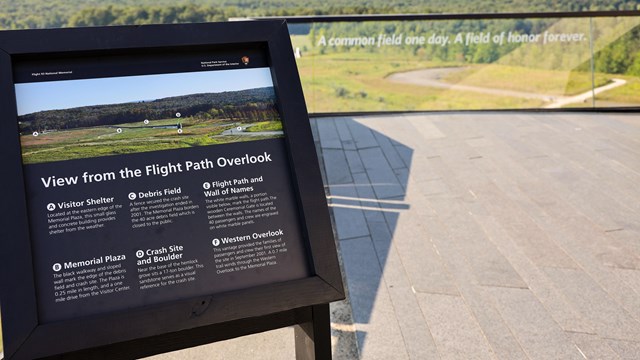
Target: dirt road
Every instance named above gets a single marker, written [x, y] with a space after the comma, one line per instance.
[434, 78]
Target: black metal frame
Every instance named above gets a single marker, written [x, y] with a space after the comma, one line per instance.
[451, 16]
[627, 109]
[157, 328]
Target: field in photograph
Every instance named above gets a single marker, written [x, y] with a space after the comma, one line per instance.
[174, 122]
[138, 137]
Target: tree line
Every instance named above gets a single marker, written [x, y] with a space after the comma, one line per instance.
[621, 57]
[476, 53]
[25, 14]
[251, 105]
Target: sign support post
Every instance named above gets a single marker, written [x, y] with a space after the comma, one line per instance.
[313, 338]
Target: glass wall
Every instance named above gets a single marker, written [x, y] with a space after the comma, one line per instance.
[469, 64]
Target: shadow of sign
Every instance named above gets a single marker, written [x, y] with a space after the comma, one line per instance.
[366, 180]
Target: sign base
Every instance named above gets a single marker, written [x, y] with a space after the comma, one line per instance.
[312, 337]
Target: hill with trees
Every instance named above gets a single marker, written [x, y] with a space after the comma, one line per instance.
[24, 14]
[253, 105]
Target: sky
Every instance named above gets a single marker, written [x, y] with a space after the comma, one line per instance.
[67, 94]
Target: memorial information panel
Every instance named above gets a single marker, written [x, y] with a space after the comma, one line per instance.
[154, 178]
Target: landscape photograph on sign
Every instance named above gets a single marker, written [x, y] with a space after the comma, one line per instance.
[86, 118]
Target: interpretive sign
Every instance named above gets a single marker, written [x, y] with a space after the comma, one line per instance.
[161, 179]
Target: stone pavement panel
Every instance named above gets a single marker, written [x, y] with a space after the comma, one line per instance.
[479, 235]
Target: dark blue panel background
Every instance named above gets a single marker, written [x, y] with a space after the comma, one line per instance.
[192, 232]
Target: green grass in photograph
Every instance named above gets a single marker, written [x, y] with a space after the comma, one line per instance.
[91, 142]
[265, 126]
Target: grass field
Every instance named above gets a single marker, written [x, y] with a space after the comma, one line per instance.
[552, 82]
[134, 138]
[628, 94]
[357, 81]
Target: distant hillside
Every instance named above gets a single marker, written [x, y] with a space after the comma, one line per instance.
[22, 14]
[247, 105]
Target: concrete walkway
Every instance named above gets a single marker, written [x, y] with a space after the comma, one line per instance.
[581, 98]
[434, 78]
[479, 236]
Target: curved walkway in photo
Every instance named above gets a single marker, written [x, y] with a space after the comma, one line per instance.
[434, 78]
[242, 131]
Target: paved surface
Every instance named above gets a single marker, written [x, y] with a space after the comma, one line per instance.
[241, 130]
[479, 236]
[434, 78]
[581, 98]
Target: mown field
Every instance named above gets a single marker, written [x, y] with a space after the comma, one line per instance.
[552, 82]
[627, 94]
[358, 81]
[134, 138]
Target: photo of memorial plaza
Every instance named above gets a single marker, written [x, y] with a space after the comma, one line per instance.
[138, 114]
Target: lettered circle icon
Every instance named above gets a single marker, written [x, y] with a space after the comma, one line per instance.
[132, 196]
[239, 128]
[206, 186]
[51, 206]
[216, 242]
[35, 133]
[146, 121]
[178, 114]
[140, 254]
[179, 131]
[119, 131]
[57, 267]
